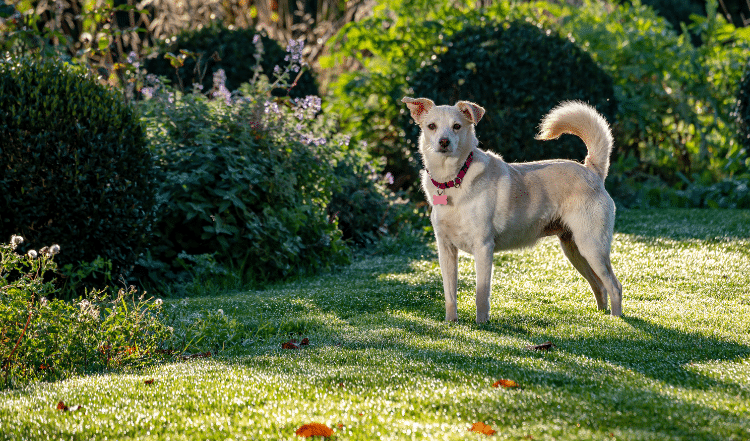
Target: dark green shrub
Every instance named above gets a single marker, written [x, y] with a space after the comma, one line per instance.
[742, 111]
[517, 72]
[231, 50]
[74, 165]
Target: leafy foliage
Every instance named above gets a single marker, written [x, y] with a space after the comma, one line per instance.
[518, 73]
[46, 339]
[207, 50]
[238, 183]
[674, 99]
[75, 166]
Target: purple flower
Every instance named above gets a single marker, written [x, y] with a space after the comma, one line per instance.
[133, 59]
[389, 178]
[294, 51]
[271, 107]
[148, 92]
[220, 78]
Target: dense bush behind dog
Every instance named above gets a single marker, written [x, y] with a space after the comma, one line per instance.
[76, 169]
[518, 73]
[229, 187]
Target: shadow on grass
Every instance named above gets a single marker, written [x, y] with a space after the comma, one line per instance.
[685, 224]
[599, 380]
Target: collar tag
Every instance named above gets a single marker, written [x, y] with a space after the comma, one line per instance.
[439, 199]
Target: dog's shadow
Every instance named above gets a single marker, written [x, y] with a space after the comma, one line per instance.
[655, 351]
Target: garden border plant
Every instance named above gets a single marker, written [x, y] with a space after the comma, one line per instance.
[47, 338]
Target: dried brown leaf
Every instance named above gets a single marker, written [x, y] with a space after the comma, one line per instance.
[542, 347]
[314, 429]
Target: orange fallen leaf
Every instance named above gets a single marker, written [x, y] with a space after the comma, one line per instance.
[305, 341]
[314, 429]
[61, 406]
[150, 381]
[480, 427]
[505, 383]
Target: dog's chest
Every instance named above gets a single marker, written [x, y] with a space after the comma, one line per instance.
[459, 226]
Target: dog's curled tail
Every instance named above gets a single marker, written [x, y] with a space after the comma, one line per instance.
[582, 120]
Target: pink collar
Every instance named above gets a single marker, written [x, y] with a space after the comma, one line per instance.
[456, 182]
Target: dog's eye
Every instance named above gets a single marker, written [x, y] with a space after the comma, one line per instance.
[456, 126]
[432, 126]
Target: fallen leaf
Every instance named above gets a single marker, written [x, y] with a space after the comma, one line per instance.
[505, 383]
[199, 355]
[542, 347]
[314, 429]
[305, 341]
[480, 427]
[62, 407]
[291, 344]
[149, 381]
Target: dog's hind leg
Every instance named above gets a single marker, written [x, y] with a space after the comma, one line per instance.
[483, 264]
[448, 258]
[571, 251]
[596, 256]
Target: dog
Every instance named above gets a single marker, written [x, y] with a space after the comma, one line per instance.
[481, 204]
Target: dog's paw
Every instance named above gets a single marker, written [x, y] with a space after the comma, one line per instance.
[483, 318]
[451, 318]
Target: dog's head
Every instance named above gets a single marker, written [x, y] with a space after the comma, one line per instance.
[445, 128]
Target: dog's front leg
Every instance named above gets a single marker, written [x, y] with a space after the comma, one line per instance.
[448, 257]
[483, 264]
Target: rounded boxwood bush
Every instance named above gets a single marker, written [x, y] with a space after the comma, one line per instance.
[74, 165]
[231, 50]
[518, 73]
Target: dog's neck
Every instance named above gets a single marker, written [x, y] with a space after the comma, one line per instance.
[441, 167]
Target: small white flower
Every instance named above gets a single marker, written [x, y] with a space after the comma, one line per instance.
[43, 302]
[32, 254]
[221, 312]
[54, 249]
[15, 241]
[158, 302]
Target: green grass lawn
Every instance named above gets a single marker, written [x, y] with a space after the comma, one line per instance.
[382, 364]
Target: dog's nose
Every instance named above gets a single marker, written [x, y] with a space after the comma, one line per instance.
[444, 142]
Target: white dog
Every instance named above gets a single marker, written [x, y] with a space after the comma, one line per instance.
[481, 204]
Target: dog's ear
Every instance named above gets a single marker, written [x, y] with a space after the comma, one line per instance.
[418, 107]
[473, 112]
